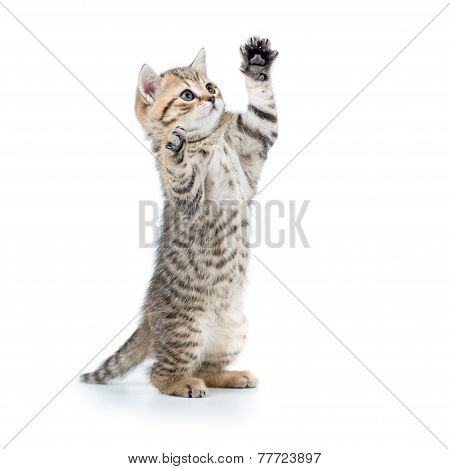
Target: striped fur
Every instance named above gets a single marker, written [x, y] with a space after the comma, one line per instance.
[209, 161]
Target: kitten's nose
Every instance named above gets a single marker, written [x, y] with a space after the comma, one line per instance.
[212, 99]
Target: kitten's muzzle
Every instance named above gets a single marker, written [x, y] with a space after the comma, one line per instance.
[212, 99]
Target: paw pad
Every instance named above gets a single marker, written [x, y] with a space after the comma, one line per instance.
[257, 58]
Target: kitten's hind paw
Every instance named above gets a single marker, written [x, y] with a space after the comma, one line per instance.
[184, 387]
[257, 58]
[229, 379]
[242, 379]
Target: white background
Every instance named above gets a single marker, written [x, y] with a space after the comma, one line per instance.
[377, 273]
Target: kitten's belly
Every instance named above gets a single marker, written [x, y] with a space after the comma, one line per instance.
[225, 335]
[225, 326]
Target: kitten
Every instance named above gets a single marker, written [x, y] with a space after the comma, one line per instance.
[209, 162]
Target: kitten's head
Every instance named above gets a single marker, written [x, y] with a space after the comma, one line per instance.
[181, 96]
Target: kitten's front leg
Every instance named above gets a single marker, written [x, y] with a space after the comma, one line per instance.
[254, 132]
[182, 175]
[257, 60]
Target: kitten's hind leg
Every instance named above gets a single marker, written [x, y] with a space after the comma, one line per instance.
[228, 379]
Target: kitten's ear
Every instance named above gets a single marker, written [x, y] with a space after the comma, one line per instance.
[200, 61]
[148, 83]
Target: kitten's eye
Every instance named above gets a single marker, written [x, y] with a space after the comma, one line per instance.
[210, 88]
[187, 95]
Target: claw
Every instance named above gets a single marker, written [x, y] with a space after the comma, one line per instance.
[257, 57]
[273, 54]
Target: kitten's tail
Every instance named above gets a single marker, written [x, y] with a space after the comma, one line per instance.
[133, 351]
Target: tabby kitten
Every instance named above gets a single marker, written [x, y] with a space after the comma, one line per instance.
[209, 162]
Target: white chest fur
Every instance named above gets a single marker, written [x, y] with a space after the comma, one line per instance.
[225, 178]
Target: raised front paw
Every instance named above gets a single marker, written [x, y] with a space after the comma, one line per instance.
[176, 142]
[257, 58]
